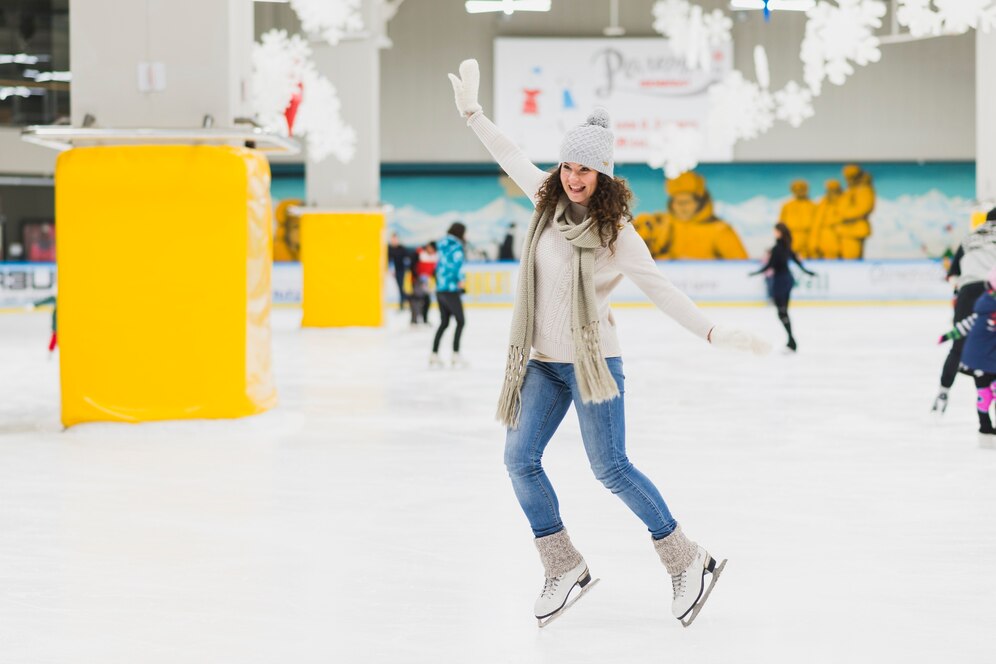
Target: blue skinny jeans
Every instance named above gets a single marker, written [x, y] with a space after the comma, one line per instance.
[548, 390]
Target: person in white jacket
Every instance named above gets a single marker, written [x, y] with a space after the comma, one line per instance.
[563, 349]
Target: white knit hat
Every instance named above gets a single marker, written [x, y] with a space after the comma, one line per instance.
[591, 143]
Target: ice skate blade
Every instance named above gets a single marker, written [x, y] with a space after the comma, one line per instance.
[543, 622]
[702, 600]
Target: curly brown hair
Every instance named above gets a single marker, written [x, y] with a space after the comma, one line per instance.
[609, 205]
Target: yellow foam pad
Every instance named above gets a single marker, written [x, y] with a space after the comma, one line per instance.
[164, 262]
[343, 259]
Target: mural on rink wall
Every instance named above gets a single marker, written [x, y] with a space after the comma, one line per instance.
[722, 211]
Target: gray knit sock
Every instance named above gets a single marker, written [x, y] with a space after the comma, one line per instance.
[676, 551]
[557, 553]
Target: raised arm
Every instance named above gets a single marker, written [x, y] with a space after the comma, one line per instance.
[508, 155]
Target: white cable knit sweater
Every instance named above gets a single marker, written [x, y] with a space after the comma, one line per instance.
[552, 340]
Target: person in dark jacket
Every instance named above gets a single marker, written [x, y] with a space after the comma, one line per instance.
[399, 257]
[978, 355]
[782, 281]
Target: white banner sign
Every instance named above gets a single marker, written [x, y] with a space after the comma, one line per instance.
[543, 87]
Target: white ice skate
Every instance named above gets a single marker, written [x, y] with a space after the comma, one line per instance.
[561, 592]
[458, 362]
[987, 441]
[435, 362]
[690, 591]
[940, 403]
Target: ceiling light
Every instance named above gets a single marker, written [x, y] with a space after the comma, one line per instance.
[507, 6]
[774, 5]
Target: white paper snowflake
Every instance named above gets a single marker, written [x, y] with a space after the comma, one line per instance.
[282, 67]
[691, 32]
[320, 119]
[676, 149]
[738, 110]
[837, 35]
[793, 104]
[945, 17]
[918, 17]
[330, 19]
[277, 63]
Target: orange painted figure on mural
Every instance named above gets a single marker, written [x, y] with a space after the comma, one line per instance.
[689, 228]
[823, 239]
[856, 205]
[797, 214]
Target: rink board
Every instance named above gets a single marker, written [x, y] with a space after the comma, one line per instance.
[705, 281]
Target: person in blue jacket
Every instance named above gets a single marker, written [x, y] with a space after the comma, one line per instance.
[449, 287]
[978, 356]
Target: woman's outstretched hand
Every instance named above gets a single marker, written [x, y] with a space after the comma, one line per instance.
[465, 88]
[723, 337]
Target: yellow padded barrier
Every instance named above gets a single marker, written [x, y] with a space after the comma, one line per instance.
[164, 282]
[343, 259]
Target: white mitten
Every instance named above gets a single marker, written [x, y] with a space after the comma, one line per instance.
[465, 87]
[723, 337]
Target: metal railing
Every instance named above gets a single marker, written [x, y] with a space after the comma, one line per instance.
[60, 137]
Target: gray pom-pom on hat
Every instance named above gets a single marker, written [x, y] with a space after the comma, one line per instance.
[591, 144]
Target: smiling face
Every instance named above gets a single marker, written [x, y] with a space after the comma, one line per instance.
[579, 182]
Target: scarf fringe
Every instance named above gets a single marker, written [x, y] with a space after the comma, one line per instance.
[510, 400]
[595, 381]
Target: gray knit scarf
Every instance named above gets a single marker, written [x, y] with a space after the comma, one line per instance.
[590, 369]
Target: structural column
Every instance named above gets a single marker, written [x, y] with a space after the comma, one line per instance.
[342, 231]
[985, 108]
[160, 63]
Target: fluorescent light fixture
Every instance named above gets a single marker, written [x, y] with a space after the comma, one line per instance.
[506, 6]
[775, 5]
[18, 59]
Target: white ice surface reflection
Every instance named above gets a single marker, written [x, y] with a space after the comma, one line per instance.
[369, 519]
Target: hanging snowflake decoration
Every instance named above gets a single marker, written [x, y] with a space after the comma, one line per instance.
[330, 19]
[692, 33]
[793, 104]
[918, 17]
[277, 64]
[946, 17]
[676, 149]
[738, 110]
[289, 94]
[837, 35]
[320, 119]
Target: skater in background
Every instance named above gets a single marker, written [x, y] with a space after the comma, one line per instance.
[563, 348]
[507, 250]
[450, 281]
[977, 332]
[426, 259]
[970, 266]
[53, 340]
[399, 257]
[782, 280]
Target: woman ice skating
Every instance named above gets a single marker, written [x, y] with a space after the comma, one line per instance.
[449, 287]
[782, 280]
[978, 355]
[563, 349]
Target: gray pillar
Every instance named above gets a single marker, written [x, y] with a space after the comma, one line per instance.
[160, 63]
[353, 67]
[985, 107]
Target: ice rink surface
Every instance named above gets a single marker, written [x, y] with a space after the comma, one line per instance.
[369, 518]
